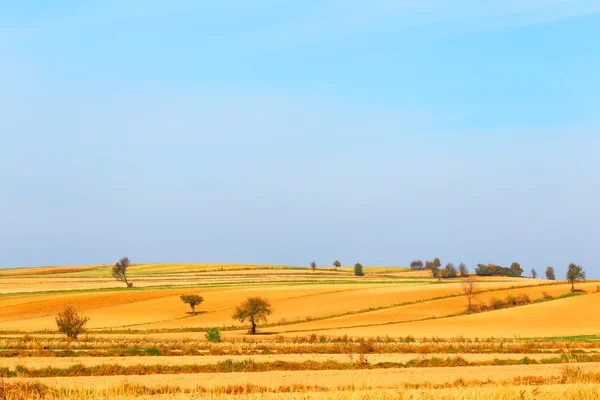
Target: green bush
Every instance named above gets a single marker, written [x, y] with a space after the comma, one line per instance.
[213, 335]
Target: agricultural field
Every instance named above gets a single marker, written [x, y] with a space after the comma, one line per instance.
[394, 333]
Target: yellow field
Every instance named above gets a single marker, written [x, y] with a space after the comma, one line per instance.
[331, 334]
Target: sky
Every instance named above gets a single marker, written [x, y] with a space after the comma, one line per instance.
[285, 132]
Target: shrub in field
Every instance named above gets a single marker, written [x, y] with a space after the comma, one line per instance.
[522, 299]
[119, 271]
[254, 309]
[511, 300]
[358, 269]
[70, 323]
[213, 335]
[497, 303]
[575, 273]
[193, 300]
[547, 296]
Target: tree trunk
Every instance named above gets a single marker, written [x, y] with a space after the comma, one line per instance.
[573, 287]
[253, 329]
[193, 310]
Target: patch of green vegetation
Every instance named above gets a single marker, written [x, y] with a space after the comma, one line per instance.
[577, 338]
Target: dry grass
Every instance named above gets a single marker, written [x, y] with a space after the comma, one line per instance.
[333, 336]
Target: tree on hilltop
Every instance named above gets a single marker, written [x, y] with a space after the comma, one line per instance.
[575, 273]
[533, 273]
[358, 269]
[337, 264]
[313, 266]
[119, 271]
[550, 274]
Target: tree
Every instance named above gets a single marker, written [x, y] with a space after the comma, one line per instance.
[119, 271]
[254, 309]
[449, 271]
[358, 269]
[575, 273]
[550, 274]
[313, 266]
[70, 323]
[464, 271]
[516, 268]
[533, 273]
[435, 269]
[192, 299]
[469, 287]
[416, 265]
[437, 263]
[337, 264]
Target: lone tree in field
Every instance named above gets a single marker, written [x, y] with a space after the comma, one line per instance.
[464, 271]
[533, 273]
[469, 287]
[575, 273]
[192, 299]
[550, 274]
[337, 264]
[313, 266]
[358, 269]
[119, 271]
[254, 309]
[70, 323]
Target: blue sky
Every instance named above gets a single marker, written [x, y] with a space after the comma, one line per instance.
[285, 132]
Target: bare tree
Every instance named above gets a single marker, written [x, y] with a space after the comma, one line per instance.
[119, 271]
[469, 287]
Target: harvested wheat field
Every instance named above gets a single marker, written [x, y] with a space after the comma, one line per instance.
[394, 333]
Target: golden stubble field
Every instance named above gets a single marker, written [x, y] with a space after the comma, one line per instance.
[393, 333]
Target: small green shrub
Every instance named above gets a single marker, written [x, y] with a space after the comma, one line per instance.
[213, 335]
[152, 351]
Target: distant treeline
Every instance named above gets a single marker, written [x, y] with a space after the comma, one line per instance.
[450, 270]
